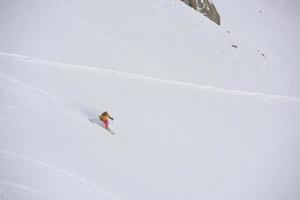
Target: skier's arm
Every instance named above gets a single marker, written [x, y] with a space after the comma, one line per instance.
[110, 117]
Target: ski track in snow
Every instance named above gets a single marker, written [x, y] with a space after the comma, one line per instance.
[149, 78]
[94, 186]
[83, 111]
[23, 85]
[26, 188]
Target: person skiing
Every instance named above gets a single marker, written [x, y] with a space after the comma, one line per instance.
[104, 117]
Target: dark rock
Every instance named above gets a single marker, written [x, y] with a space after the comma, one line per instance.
[234, 46]
[206, 7]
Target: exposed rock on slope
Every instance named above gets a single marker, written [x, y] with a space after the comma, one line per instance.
[206, 7]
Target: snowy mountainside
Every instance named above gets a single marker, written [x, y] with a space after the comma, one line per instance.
[271, 28]
[217, 141]
[195, 118]
[156, 38]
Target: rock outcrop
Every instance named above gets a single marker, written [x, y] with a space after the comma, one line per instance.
[206, 7]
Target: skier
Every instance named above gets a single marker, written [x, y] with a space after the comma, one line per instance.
[104, 117]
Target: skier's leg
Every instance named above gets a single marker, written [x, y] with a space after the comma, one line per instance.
[106, 124]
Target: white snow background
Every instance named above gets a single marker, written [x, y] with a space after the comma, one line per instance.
[195, 118]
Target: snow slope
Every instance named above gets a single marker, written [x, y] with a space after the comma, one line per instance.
[194, 117]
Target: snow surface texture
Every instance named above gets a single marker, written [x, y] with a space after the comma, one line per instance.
[195, 118]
